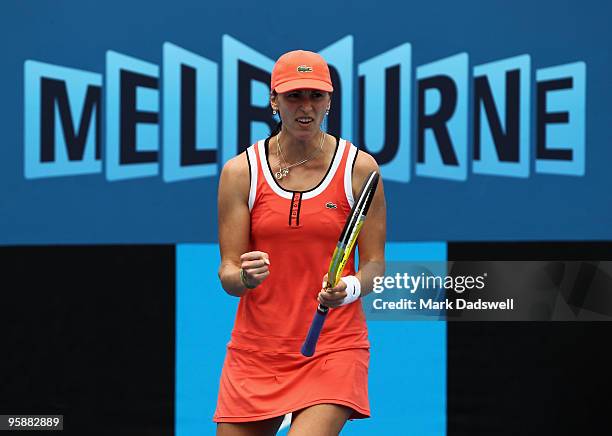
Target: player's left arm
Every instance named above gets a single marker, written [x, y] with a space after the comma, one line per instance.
[371, 239]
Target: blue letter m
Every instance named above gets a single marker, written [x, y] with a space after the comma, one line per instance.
[62, 121]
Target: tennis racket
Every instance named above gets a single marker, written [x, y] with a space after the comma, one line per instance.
[345, 245]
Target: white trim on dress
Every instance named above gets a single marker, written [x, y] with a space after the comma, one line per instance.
[253, 165]
[348, 175]
[261, 148]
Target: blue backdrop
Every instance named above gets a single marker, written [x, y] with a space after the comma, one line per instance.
[137, 189]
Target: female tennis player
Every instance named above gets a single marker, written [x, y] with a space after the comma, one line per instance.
[282, 206]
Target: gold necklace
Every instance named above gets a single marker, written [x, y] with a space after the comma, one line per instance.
[284, 171]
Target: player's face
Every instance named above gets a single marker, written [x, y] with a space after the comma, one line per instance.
[302, 111]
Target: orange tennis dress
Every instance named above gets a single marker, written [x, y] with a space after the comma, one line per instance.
[264, 374]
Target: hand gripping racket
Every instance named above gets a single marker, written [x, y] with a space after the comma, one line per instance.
[347, 240]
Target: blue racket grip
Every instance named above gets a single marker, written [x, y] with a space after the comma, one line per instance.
[308, 348]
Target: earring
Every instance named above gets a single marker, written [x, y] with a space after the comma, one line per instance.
[273, 111]
[327, 111]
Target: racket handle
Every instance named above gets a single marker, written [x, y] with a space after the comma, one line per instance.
[308, 348]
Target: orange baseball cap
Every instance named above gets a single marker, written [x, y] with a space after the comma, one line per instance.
[301, 69]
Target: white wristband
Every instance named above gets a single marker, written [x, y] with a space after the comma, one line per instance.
[353, 289]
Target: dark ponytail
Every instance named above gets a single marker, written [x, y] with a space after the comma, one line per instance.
[276, 130]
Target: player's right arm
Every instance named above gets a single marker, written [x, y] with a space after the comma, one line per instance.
[234, 229]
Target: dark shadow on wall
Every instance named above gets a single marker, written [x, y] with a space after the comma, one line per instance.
[88, 332]
[529, 378]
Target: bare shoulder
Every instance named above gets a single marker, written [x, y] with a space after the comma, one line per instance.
[235, 175]
[365, 162]
[237, 166]
[364, 165]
